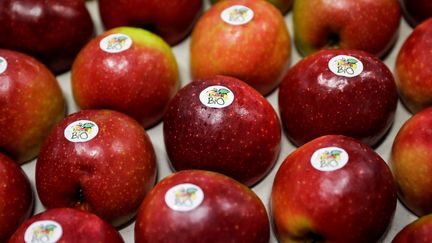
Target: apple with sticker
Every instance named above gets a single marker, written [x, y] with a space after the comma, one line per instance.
[31, 103]
[172, 20]
[100, 161]
[201, 206]
[62, 225]
[245, 39]
[16, 197]
[333, 188]
[222, 124]
[346, 92]
[129, 70]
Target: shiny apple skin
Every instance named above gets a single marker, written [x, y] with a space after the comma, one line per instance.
[355, 203]
[230, 212]
[108, 175]
[51, 31]
[418, 231]
[313, 101]
[416, 11]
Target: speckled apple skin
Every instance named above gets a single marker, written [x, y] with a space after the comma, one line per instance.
[51, 31]
[172, 20]
[258, 52]
[411, 162]
[31, 103]
[313, 101]
[419, 231]
[78, 227]
[230, 212]
[241, 140]
[16, 197]
[138, 82]
[412, 72]
[114, 170]
[416, 11]
[283, 5]
[371, 26]
[353, 204]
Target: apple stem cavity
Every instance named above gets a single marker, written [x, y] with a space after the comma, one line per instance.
[333, 40]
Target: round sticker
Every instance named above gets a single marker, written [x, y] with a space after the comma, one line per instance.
[81, 131]
[329, 159]
[184, 197]
[3, 65]
[46, 231]
[115, 43]
[346, 66]
[237, 15]
[216, 96]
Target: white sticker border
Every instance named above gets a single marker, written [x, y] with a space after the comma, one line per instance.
[224, 15]
[58, 232]
[216, 102]
[330, 164]
[68, 133]
[3, 65]
[170, 198]
[334, 69]
[104, 43]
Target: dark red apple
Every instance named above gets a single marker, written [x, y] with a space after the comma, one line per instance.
[66, 225]
[345, 92]
[172, 20]
[412, 72]
[16, 197]
[129, 70]
[101, 161]
[246, 39]
[50, 30]
[31, 103]
[201, 206]
[419, 231]
[416, 11]
[333, 189]
[224, 125]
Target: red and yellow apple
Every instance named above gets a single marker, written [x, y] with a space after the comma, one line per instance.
[419, 231]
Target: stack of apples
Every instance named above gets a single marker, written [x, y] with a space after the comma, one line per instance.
[197, 121]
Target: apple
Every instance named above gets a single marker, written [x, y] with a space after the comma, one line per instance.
[366, 25]
[100, 161]
[201, 206]
[245, 39]
[283, 5]
[63, 225]
[129, 70]
[52, 31]
[222, 124]
[31, 103]
[333, 189]
[416, 11]
[16, 197]
[411, 162]
[172, 20]
[413, 77]
[346, 92]
[419, 231]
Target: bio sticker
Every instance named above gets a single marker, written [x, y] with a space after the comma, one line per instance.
[329, 159]
[115, 43]
[81, 131]
[346, 66]
[3, 65]
[184, 197]
[216, 96]
[237, 15]
[43, 231]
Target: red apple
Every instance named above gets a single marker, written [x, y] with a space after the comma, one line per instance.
[283, 5]
[222, 124]
[345, 92]
[201, 206]
[101, 161]
[172, 20]
[66, 225]
[245, 39]
[52, 31]
[416, 11]
[366, 25]
[412, 72]
[129, 70]
[333, 189]
[419, 231]
[16, 197]
[411, 162]
[31, 103]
